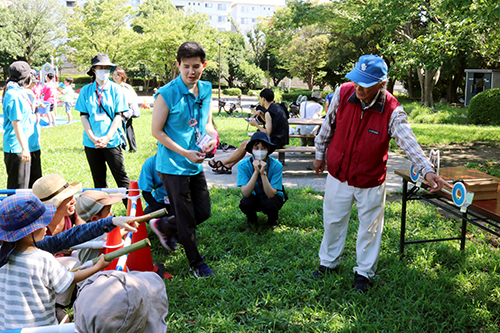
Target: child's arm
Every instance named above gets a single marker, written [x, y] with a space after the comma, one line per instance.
[250, 186]
[85, 273]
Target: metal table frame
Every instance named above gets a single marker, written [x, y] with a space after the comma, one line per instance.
[439, 200]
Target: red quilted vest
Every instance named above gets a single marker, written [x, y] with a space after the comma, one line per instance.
[358, 150]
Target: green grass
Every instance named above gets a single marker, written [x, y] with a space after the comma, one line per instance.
[263, 279]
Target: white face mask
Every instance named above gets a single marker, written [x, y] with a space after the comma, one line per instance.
[102, 74]
[259, 154]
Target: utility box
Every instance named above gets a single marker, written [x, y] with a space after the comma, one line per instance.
[478, 80]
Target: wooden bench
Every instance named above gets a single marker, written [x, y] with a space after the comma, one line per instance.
[293, 149]
[292, 135]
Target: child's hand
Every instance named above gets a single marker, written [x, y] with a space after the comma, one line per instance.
[126, 222]
[101, 264]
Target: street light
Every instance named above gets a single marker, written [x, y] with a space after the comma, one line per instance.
[268, 71]
[220, 42]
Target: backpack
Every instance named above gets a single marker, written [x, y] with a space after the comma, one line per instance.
[285, 108]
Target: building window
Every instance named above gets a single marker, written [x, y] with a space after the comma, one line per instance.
[254, 20]
[189, 3]
[253, 8]
[221, 6]
[244, 20]
[244, 9]
[221, 19]
[209, 5]
[70, 4]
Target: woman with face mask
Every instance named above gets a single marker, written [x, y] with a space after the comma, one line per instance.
[260, 178]
[101, 104]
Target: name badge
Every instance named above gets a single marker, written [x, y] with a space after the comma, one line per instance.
[203, 140]
[100, 116]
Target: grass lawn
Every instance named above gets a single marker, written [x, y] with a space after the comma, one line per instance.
[263, 279]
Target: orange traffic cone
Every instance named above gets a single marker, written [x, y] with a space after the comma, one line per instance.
[142, 259]
[114, 242]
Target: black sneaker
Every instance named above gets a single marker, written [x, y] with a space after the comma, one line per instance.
[202, 271]
[172, 243]
[361, 282]
[323, 271]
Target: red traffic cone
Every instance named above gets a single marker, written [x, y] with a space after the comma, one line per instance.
[142, 259]
[114, 242]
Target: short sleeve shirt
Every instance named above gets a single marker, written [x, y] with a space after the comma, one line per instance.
[29, 282]
[274, 174]
[49, 92]
[17, 107]
[183, 106]
[149, 180]
[100, 118]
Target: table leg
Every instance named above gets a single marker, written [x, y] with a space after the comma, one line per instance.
[403, 217]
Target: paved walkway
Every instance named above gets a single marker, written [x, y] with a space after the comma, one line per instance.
[299, 172]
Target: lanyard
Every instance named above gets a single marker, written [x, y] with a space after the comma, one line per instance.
[99, 95]
[192, 121]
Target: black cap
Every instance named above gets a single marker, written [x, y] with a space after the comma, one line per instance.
[260, 136]
[101, 59]
[19, 70]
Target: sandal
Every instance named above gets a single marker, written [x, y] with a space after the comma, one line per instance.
[215, 164]
[223, 170]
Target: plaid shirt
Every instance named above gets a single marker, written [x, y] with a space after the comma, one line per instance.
[399, 129]
[76, 235]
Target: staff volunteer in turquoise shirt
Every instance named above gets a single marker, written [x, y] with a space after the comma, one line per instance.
[101, 104]
[182, 124]
[21, 137]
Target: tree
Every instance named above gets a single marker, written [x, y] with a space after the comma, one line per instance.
[251, 75]
[234, 52]
[30, 30]
[100, 26]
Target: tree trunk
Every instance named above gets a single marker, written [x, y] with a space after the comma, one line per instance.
[428, 79]
[309, 80]
[390, 85]
[410, 83]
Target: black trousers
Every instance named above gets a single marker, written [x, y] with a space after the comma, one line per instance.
[190, 202]
[98, 158]
[22, 174]
[253, 204]
[132, 145]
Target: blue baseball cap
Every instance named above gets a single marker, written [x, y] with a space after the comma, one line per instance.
[22, 214]
[369, 70]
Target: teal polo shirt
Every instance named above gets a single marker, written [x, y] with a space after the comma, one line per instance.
[112, 101]
[16, 107]
[182, 106]
[274, 170]
[149, 180]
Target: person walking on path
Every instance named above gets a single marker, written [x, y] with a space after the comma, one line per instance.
[362, 119]
[21, 144]
[182, 124]
[101, 104]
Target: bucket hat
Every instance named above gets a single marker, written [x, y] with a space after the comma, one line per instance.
[128, 302]
[54, 189]
[19, 70]
[91, 202]
[21, 214]
[260, 136]
[369, 70]
[101, 59]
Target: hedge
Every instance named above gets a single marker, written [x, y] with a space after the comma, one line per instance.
[232, 91]
[484, 108]
[77, 79]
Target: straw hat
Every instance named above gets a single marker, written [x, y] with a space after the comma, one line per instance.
[91, 202]
[54, 189]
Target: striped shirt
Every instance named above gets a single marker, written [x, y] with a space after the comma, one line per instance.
[28, 284]
[399, 129]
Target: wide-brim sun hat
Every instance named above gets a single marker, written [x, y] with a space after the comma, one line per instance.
[101, 59]
[21, 214]
[91, 202]
[260, 136]
[370, 70]
[54, 189]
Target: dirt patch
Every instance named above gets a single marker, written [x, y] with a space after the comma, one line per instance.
[459, 154]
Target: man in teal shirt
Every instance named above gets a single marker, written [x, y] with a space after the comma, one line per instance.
[182, 124]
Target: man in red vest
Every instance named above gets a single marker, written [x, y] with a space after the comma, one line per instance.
[361, 120]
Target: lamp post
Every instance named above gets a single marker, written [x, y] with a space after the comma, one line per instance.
[268, 71]
[220, 42]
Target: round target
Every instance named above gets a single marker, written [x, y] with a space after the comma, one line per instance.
[458, 194]
[414, 175]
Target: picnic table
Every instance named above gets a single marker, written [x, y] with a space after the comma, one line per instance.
[484, 214]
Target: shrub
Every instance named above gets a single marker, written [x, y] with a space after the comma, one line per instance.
[232, 91]
[292, 95]
[278, 95]
[77, 79]
[484, 108]
[253, 93]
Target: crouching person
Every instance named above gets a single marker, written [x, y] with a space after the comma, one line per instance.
[260, 178]
[30, 277]
[128, 302]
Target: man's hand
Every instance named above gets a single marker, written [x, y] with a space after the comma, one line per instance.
[209, 147]
[126, 222]
[195, 156]
[25, 155]
[319, 167]
[436, 182]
